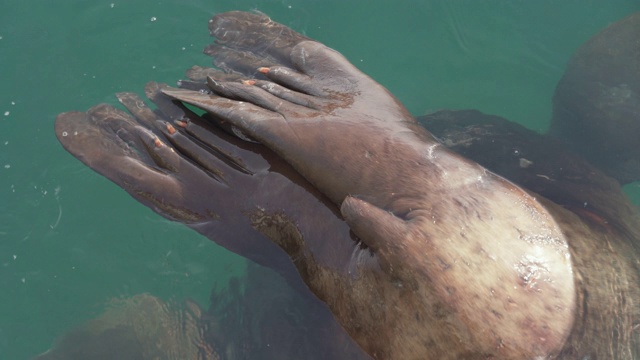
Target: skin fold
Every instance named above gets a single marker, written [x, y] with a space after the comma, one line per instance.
[419, 252]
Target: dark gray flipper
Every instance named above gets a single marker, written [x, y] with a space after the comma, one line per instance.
[187, 169]
[247, 41]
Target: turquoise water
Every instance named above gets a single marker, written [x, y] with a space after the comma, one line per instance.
[70, 239]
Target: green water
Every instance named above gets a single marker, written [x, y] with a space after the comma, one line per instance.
[69, 239]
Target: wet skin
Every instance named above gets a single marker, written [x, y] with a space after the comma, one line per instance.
[601, 225]
[417, 251]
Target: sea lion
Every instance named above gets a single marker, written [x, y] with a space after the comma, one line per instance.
[140, 327]
[596, 105]
[449, 260]
[256, 316]
[422, 211]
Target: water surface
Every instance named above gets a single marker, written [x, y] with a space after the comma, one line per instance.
[70, 239]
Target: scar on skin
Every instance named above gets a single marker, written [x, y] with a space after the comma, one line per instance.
[171, 129]
[182, 124]
[249, 82]
[264, 70]
[158, 143]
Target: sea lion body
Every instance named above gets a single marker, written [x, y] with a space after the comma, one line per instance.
[448, 261]
[596, 104]
[460, 248]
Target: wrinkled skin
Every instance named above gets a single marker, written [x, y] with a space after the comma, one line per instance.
[418, 252]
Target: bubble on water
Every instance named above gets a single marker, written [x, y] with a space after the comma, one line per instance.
[7, 166]
[0, 37]
[112, 5]
[6, 143]
[153, 67]
[15, 256]
[6, 113]
[153, 18]
[64, 133]
[23, 280]
[13, 103]
[184, 48]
